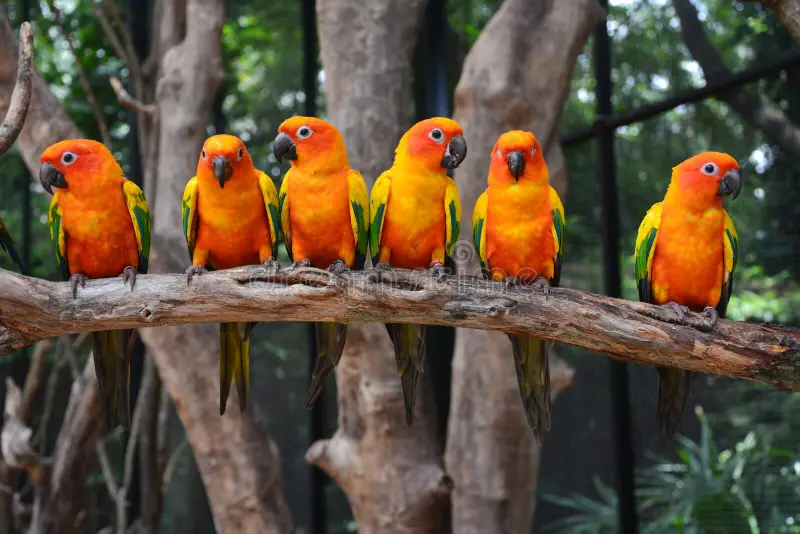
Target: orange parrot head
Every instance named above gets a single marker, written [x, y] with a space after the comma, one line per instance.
[310, 143]
[706, 178]
[517, 157]
[436, 144]
[222, 158]
[78, 165]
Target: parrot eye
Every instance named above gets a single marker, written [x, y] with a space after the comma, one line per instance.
[68, 158]
[240, 155]
[437, 135]
[710, 169]
[203, 154]
[304, 132]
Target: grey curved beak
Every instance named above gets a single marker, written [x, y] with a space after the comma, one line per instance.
[50, 176]
[456, 152]
[284, 147]
[731, 184]
[516, 164]
[223, 169]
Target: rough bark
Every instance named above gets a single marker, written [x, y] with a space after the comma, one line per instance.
[392, 474]
[759, 112]
[516, 76]
[789, 13]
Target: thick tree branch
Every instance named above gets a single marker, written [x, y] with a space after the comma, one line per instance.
[21, 97]
[32, 309]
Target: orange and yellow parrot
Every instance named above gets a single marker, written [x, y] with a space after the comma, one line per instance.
[518, 228]
[324, 211]
[415, 213]
[686, 252]
[230, 219]
[100, 226]
[7, 244]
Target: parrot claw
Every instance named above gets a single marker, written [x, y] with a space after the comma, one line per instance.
[300, 263]
[379, 269]
[713, 316]
[439, 271]
[679, 310]
[542, 284]
[129, 275]
[272, 265]
[338, 267]
[512, 281]
[74, 280]
[193, 270]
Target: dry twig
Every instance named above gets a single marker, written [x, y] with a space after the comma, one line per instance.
[21, 97]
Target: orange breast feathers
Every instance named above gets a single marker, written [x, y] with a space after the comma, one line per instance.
[232, 227]
[688, 261]
[519, 234]
[319, 207]
[101, 240]
[414, 230]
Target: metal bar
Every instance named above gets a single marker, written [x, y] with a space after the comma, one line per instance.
[618, 371]
[765, 70]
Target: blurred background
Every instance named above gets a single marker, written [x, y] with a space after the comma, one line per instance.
[684, 76]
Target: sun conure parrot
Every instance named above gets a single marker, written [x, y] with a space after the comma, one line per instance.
[686, 252]
[230, 219]
[100, 226]
[7, 244]
[324, 213]
[415, 213]
[518, 228]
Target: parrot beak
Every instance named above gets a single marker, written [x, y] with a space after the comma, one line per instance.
[455, 153]
[516, 164]
[50, 177]
[223, 169]
[284, 147]
[731, 184]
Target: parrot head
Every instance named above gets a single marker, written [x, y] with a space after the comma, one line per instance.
[221, 157]
[310, 143]
[708, 177]
[436, 144]
[78, 165]
[517, 156]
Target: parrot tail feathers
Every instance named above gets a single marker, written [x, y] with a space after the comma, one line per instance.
[331, 338]
[234, 363]
[112, 366]
[673, 391]
[409, 353]
[532, 362]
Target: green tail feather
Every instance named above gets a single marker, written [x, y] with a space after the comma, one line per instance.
[673, 390]
[331, 338]
[234, 362]
[112, 366]
[409, 353]
[532, 361]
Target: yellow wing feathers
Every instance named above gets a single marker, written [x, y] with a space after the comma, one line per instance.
[452, 215]
[189, 213]
[271, 204]
[359, 215]
[378, 199]
[479, 226]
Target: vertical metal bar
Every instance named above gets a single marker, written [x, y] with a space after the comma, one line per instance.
[319, 513]
[620, 395]
[437, 101]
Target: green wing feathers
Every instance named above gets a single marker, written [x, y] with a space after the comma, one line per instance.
[111, 354]
[559, 233]
[479, 231]
[730, 248]
[234, 362]
[331, 338]
[140, 216]
[58, 236]
[645, 248]
[378, 199]
[452, 216]
[285, 220]
[271, 204]
[532, 363]
[359, 216]
[189, 215]
[7, 244]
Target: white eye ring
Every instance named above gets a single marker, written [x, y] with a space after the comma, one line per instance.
[304, 132]
[709, 169]
[533, 151]
[437, 135]
[499, 154]
[68, 158]
[240, 155]
[203, 154]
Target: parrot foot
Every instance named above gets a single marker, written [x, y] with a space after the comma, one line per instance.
[272, 265]
[129, 275]
[193, 270]
[439, 271]
[300, 263]
[713, 316]
[512, 281]
[542, 284]
[379, 270]
[338, 267]
[679, 310]
[74, 280]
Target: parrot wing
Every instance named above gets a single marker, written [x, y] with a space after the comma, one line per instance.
[359, 216]
[378, 199]
[559, 231]
[140, 216]
[452, 208]
[479, 231]
[189, 214]
[270, 195]
[283, 208]
[730, 243]
[645, 248]
[58, 236]
[7, 244]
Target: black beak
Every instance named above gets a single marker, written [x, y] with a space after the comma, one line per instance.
[456, 152]
[516, 164]
[731, 184]
[223, 169]
[284, 147]
[50, 177]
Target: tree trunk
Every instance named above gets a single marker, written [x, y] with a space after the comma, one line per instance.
[515, 77]
[392, 474]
